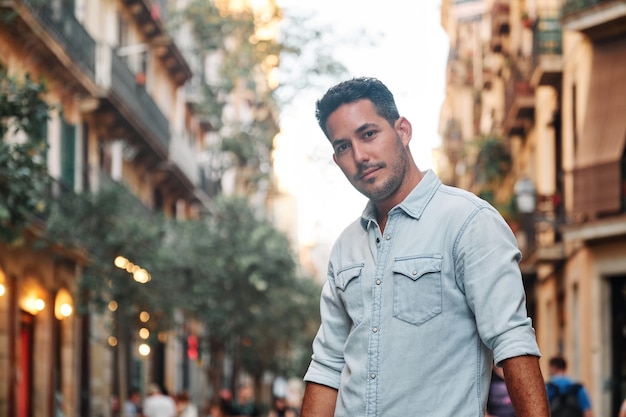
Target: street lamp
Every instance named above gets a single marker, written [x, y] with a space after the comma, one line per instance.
[526, 199]
[525, 195]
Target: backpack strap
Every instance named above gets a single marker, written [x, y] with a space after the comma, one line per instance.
[574, 388]
[553, 389]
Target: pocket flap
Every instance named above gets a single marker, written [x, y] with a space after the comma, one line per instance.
[347, 274]
[414, 268]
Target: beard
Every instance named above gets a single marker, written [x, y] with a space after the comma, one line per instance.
[400, 166]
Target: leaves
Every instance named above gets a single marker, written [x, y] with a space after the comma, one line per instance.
[234, 272]
[23, 169]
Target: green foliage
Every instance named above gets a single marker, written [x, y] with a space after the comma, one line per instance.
[233, 272]
[105, 225]
[242, 284]
[245, 57]
[493, 162]
[23, 169]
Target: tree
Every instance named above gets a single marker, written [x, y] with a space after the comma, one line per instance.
[241, 49]
[241, 283]
[493, 165]
[108, 224]
[23, 168]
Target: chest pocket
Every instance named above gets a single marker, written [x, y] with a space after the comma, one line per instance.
[417, 288]
[348, 283]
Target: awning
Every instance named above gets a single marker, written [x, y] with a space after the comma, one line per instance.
[604, 129]
[597, 173]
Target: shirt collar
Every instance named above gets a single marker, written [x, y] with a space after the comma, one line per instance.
[413, 205]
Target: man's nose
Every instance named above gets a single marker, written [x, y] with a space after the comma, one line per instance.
[360, 153]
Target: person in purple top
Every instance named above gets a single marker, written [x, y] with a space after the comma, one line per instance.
[499, 402]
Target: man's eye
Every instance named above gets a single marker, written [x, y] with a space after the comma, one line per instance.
[341, 148]
[370, 133]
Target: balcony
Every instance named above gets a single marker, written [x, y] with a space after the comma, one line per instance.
[500, 18]
[68, 32]
[93, 70]
[151, 16]
[184, 156]
[598, 19]
[55, 36]
[469, 9]
[547, 52]
[131, 100]
[519, 106]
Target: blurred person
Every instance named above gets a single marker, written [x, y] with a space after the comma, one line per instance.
[281, 408]
[244, 405]
[132, 406]
[216, 408]
[157, 404]
[226, 399]
[499, 402]
[622, 409]
[424, 289]
[184, 407]
[560, 387]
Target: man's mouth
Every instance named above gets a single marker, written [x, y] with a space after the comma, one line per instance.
[366, 172]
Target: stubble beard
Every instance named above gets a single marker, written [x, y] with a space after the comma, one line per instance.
[392, 184]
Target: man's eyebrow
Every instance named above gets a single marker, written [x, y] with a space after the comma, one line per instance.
[334, 142]
[365, 126]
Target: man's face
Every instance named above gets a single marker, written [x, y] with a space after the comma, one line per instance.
[371, 153]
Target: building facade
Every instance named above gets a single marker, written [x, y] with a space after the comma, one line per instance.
[546, 78]
[115, 81]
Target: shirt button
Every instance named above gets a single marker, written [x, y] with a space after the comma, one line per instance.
[414, 272]
[375, 330]
[377, 240]
[377, 282]
[372, 375]
[387, 237]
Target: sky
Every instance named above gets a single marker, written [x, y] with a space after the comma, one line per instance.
[408, 55]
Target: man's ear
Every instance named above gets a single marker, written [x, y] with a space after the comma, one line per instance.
[404, 129]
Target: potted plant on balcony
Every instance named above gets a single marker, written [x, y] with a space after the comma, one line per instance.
[527, 22]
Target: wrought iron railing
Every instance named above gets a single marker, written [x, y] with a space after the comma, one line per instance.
[67, 30]
[140, 103]
[574, 6]
[548, 36]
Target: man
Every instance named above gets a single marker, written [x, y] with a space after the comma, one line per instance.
[560, 383]
[132, 406]
[424, 290]
[157, 404]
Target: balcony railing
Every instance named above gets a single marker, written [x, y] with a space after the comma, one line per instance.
[519, 102]
[598, 19]
[548, 36]
[114, 74]
[102, 65]
[547, 51]
[575, 6]
[67, 31]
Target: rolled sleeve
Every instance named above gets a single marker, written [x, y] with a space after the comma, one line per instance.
[328, 357]
[489, 259]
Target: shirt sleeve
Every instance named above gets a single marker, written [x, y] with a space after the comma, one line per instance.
[583, 399]
[487, 270]
[327, 359]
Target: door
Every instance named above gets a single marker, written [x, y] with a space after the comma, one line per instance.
[25, 369]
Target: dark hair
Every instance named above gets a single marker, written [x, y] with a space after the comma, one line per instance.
[558, 362]
[353, 90]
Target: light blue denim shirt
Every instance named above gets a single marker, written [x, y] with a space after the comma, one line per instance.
[413, 317]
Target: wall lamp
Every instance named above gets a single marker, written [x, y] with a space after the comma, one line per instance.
[63, 304]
